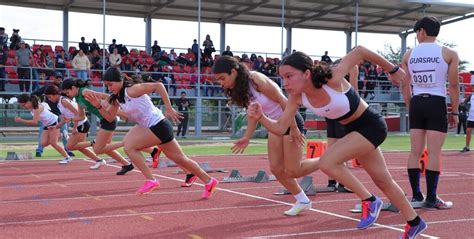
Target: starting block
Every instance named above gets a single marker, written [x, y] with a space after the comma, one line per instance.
[163, 163]
[18, 156]
[306, 184]
[236, 177]
[206, 167]
[12, 156]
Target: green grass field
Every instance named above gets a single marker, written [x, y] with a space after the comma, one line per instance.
[257, 146]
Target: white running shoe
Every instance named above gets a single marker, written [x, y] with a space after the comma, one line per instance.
[65, 161]
[297, 208]
[98, 164]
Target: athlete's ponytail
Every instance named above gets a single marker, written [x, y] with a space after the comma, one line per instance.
[320, 76]
[69, 83]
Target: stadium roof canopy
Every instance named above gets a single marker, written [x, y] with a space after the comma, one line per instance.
[384, 16]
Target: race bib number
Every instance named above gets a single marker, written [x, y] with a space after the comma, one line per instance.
[424, 79]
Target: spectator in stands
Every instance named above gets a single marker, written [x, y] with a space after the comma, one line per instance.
[127, 66]
[253, 58]
[155, 50]
[38, 68]
[156, 75]
[326, 58]
[113, 45]
[61, 59]
[190, 57]
[164, 59]
[173, 56]
[287, 52]
[385, 84]
[3, 61]
[94, 46]
[227, 52]
[195, 49]
[208, 46]
[169, 80]
[22, 58]
[3, 38]
[183, 107]
[207, 61]
[371, 82]
[15, 40]
[258, 64]
[57, 81]
[96, 60]
[81, 65]
[115, 59]
[84, 46]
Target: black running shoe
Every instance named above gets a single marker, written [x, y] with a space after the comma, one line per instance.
[125, 169]
[342, 189]
[190, 179]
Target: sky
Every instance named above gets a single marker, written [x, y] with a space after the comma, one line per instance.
[47, 24]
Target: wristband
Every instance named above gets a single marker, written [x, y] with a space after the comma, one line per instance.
[395, 69]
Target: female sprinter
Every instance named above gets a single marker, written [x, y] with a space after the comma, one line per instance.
[75, 88]
[244, 87]
[327, 94]
[70, 112]
[41, 112]
[152, 129]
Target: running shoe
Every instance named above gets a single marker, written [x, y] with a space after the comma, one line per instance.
[190, 179]
[370, 213]
[148, 187]
[209, 188]
[465, 149]
[412, 232]
[438, 204]
[98, 164]
[125, 169]
[297, 208]
[155, 155]
[70, 153]
[65, 161]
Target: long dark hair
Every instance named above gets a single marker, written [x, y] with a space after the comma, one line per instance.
[52, 90]
[240, 94]
[303, 62]
[69, 83]
[35, 101]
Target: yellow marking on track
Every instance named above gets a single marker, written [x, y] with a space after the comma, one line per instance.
[142, 216]
[59, 184]
[194, 236]
[93, 197]
[147, 217]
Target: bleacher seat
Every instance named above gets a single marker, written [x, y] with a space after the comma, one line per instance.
[48, 48]
[35, 47]
[72, 50]
[11, 53]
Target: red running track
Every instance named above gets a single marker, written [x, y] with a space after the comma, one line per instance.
[41, 199]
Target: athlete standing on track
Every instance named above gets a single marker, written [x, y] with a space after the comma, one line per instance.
[429, 66]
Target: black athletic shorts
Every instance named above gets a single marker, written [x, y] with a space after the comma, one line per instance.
[163, 130]
[84, 128]
[53, 124]
[334, 129]
[428, 112]
[371, 125]
[470, 124]
[109, 126]
[299, 123]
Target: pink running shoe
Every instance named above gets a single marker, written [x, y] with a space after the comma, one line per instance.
[209, 188]
[148, 187]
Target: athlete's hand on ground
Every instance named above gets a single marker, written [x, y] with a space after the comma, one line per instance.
[173, 115]
[297, 136]
[240, 145]
[254, 111]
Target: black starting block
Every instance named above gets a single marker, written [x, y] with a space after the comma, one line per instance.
[206, 167]
[309, 189]
[18, 156]
[163, 163]
[236, 177]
